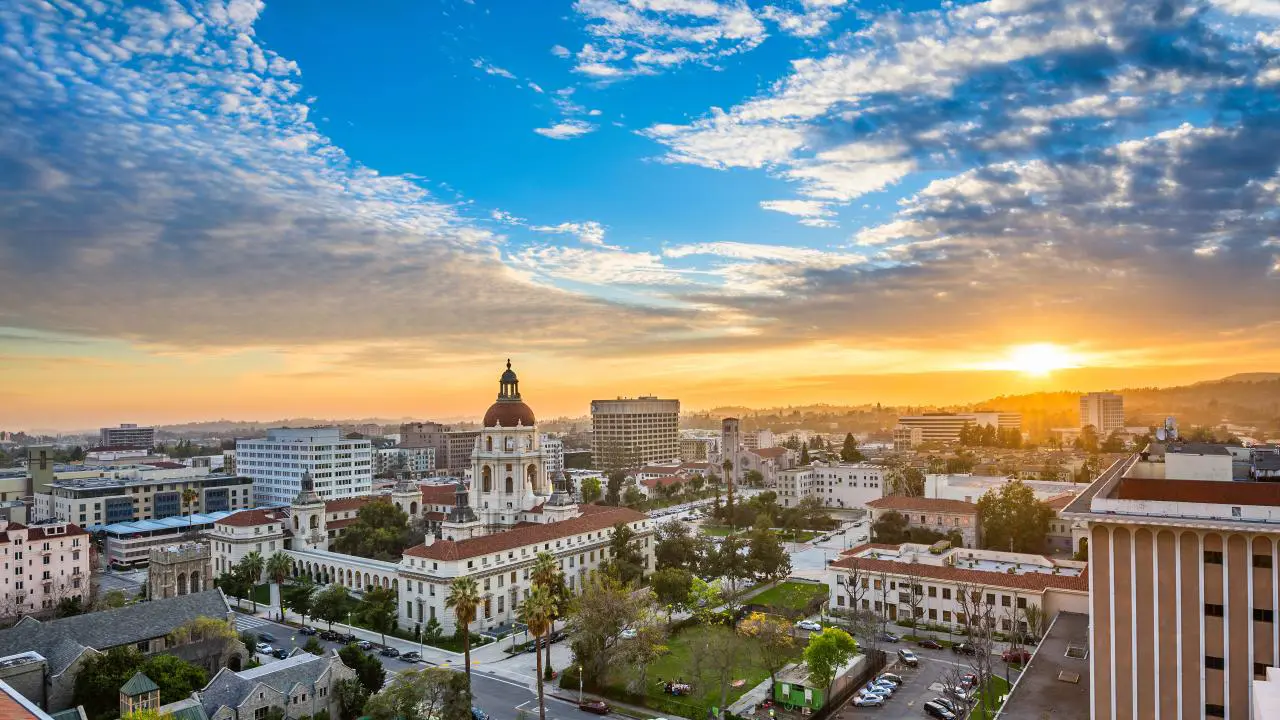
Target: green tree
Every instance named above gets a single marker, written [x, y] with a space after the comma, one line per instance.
[313, 646]
[352, 696]
[826, 653]
[1088, 439]
[176, 677]
[301, 598]
[613, 494]
[425, 694]
[754, 478]
[278, 568]
[697, 482]
[332, 604]
[431, 632]
[1011, 518]
[596, 620]
[98, 682]
[773, 639]
[678, 547]
[381, 532]
[804, 455]
[379, 609]
[625, 562]
[632, 497]
[890, 527]
[905, 480]
[189, 497]
[538, 613]
[590, 490]
[368, 669]
[729, 561]
[112, 599]
[546, 573]
[69, 606]
[849, 452]
[672, 586]
[464, 597]
[767, 559]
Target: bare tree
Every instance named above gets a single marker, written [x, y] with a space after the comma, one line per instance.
[863, 622]
[977, 615]
[913, 595]
[881, 586]
[1035, 620]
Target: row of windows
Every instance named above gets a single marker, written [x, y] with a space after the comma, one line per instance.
[1214, 557]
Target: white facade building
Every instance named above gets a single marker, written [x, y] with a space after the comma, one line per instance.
[944, 427]
[341, 467]
[553, 449]
[128, 434]
[49, 563]
[1104, 411]
[848, 486]
[968, 488]
[630, 432]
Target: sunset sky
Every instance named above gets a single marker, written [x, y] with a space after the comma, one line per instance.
[255, 210]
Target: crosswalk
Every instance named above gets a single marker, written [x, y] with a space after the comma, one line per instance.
[249, 622]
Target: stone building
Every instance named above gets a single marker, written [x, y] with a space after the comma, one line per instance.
[179, 569]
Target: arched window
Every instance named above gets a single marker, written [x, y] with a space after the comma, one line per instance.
[528, 443]
[413, 509]
[488, 444]
[510, 486]
[182, 583]
[195, 582]
[315, 522]
[531, 474]
[486, 482]
[295, 522]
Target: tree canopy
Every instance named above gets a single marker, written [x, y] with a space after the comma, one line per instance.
[381, 532]
[826, 653]
[626, 562]
[422, 694]
[98, 683]
[1011, 518]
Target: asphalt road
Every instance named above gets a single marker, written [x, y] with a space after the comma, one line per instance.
[501, 698]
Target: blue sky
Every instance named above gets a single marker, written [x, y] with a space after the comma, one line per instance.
[785, 190]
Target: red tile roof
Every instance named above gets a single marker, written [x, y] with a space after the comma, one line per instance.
[351, 503]
[1210, 492]
[435, 515]
[591, 520]
[1058, 502]
[663, 481]
[250, 518]
[771, 453]
[37, 532]
[1033, 581]
[339, 524]
[439, 494]
[902, 502]
[11, 709]
[658, 470]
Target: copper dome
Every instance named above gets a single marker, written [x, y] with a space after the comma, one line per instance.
[506, 413]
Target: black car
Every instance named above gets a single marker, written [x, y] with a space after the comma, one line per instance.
[411, 656]
[930, 644]
[934, 710]
[347, 638]
[389, 652]
[329, 635]
[951, 705]
[307, 630]
[266, 637]
[964, 649]
[558, 635]
[281, 653]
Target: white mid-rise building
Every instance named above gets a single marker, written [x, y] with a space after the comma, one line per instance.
[127, 435]
[553, 449]
[837, 485]
[631, 432]
[945, 427]
[341, 467]
[1104, 411]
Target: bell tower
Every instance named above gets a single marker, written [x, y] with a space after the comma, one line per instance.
[308, 519]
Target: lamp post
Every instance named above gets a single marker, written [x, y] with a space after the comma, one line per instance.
[579, 683]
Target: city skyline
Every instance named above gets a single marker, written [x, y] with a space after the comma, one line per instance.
[208, 212]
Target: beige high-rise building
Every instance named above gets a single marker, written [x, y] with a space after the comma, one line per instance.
[1104, 411]
[633, 432]
[1183, 591]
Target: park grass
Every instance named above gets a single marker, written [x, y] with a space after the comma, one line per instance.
[996, 688]
[790, 595]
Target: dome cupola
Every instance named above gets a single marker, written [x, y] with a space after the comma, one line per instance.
[509, 410]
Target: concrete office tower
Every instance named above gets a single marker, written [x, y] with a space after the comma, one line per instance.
[633, 432]
[1184, 585]
[1104, 411]
[341, 467]
[129, 435]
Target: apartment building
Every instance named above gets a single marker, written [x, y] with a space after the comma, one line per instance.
[698, 449]
[50, 563]
[143, 492]
[452, 445]
[908, 580]
[1104, 411]
[935, 514]
[342, 467]
[418, 462]
[553, 449]
[630, 432]
[837, 485]
[1184, 589]
[128, 434]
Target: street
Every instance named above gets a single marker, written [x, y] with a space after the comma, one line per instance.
[501, 697]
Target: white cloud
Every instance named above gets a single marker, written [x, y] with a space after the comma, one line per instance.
[491, 69]
[589, 232]
[566, 130]
[506, 218]
[1264, 8]
[598, 266]
[811, 19]
[799, 208]
[560, 51]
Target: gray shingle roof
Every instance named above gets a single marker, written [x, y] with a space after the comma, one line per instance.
[61, 641]
[231, 688]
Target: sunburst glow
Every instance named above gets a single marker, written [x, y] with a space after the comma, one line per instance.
[1039, 359]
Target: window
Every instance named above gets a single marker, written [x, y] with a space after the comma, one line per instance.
[933, 591]
[1211, 610]
[260, 714]
[946, 593]
[1004, 601]
[840, 600]
[1211, 710]
[991, 598]
[1264, 615]
[1212, 557]
[1213, 662]
[1262, 561]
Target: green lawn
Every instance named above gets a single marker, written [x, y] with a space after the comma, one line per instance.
[997, 687]
[790, 595]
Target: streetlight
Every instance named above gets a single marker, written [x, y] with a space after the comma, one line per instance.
[579, 683]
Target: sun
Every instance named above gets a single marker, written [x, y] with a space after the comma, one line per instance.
[1040, 359]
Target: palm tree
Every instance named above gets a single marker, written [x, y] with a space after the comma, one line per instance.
[464, 598]
[728, 479]
[253, 565]
[279, 567]
[546, 573]
[538, 612]
[189, 496]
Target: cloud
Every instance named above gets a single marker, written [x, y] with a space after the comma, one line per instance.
[588, 233]
[566, 129]
[598, 266]
[809, 19]
[560, 51]
[491, 69]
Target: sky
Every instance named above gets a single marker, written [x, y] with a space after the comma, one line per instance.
[249, 210]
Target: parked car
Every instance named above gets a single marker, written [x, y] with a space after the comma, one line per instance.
[412, 656]
[558, 635]
[389, 652]
[873, 691]
[307, 630]
[930, 644]
[951, 705]
[329, 635]
[968, 680]
[264, 648]
[868, 701]
[890, 677]
[964, 649]
[281, 653]
[883, 688]
[364, 645]
[809, 625]
[478, 714]
[960, 693]
[597, 707]
[934, 710]
[1015, 655]
[347, 638]
[888, 637]
[266, 637]
[908, 657]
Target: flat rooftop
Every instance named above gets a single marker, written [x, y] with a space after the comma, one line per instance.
[1056, 683]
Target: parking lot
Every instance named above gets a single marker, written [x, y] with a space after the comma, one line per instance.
[919, 685]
